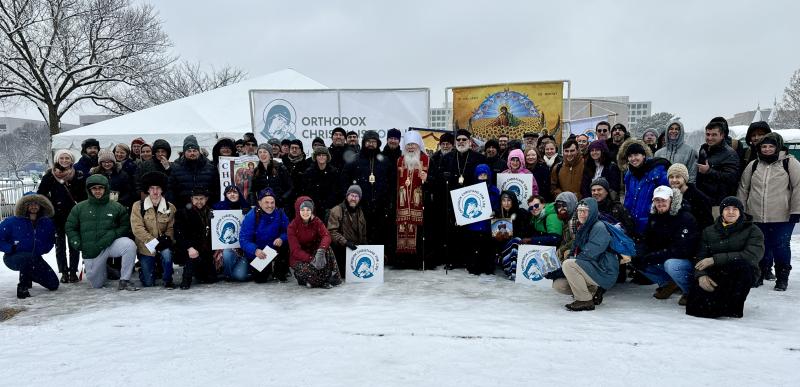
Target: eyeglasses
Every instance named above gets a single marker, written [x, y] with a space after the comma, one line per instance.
[561, 204]
[462, 139]
[602, 130]
[533, 207]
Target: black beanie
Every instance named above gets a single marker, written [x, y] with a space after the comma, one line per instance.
[463, 132]
[394, 133]
[339, 130]
[731, 201]
[492, 144]
[635, 148]
[447, 137]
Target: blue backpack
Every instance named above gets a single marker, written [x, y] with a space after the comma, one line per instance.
[621, 243]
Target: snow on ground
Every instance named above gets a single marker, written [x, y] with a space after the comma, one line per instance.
[427, 329]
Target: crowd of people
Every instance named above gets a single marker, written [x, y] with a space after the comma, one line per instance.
[708, 223]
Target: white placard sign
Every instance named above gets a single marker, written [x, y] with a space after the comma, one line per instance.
[306, 114]
[364, 264]
[519, 183]
[238, 171]
[259, 264]
[471, 204]
[225, 226]
[533, 262]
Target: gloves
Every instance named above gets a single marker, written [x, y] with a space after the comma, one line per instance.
[555, 274]
[707, 283]
[794, 218]
[351, 245]
[164, 243]
[319, 259]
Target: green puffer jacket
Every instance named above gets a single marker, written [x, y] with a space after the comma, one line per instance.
[94, 224]
[548, 222]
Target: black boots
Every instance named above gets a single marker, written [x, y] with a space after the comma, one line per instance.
[782, 276]
[22, 292]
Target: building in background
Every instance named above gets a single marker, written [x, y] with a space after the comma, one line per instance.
[441, 118]
[94, 118]
[745, 118]
[10, 124]
[638, 110]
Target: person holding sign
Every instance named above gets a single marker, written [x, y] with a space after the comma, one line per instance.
[234, 266]
[347, 225]
[309, 245]
[263, 228]
[152, 223]
[474, 244]
[591, 267]
[520, 221]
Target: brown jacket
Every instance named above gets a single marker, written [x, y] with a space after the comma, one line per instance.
[770, 194]
[568, 177]
[153, 224]
[345, 226]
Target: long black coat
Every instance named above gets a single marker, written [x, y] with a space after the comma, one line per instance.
[324, 187]
[62, 196]
[461, 164]
[375, 196]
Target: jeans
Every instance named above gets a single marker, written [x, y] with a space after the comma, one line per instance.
[61, 254]
[680, 271]
[32, 268]
[776, 243]
[233, 266]
[148, 266]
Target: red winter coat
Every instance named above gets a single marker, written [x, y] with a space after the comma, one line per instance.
[306, 238]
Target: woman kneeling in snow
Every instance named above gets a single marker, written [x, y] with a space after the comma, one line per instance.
[591, 268]
[727, 263]
[311, 257]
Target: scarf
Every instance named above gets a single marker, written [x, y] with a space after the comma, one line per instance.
[550, 160]
[64, 176]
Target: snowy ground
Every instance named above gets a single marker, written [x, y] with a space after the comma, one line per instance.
[427, 329]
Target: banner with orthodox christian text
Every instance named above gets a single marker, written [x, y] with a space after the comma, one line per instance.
[586, 126]
[513, 109]
[306, 114]
[533, 262]
[364, 264]
[471, 204]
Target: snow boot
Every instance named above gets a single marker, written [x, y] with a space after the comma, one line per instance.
[683, 300]
[782, 277]
[169, 285]
[768, 275]
[666, 291]
[597, 299]
[579, 306]
[64, 278]
[22, 292]
[73, 278]
[126, 285]
[335, 280]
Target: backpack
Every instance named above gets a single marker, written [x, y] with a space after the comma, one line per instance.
[621, 243]
[785, 168]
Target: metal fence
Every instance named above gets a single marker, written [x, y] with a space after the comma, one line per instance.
[10, 192]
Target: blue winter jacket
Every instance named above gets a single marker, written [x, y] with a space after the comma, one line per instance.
[639, 186]
[37, 239]
[255, 235]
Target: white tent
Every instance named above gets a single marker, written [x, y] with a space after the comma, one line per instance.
[208, 116]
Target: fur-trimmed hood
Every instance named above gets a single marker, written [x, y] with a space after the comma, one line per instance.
[21, 208]
[675, 206]
[622, 161]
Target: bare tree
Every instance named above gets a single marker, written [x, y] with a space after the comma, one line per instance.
[789, 109]
[57, 53]
[180, 80]
[658, 121]
[23, 146]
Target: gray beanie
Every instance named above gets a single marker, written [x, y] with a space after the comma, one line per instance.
[190, 142]
[307, 204]
[601, 181]
[265, 146]
[355, 188]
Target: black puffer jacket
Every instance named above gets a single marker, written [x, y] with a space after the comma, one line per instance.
[187, 175]
[739, 241]
[671, 235]
[723, 178]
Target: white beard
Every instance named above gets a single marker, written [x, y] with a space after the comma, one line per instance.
[411, 160]
[461, 148]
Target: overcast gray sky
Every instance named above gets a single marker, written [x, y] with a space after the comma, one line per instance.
[696, 59]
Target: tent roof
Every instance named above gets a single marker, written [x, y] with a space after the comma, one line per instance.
[222, 110]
